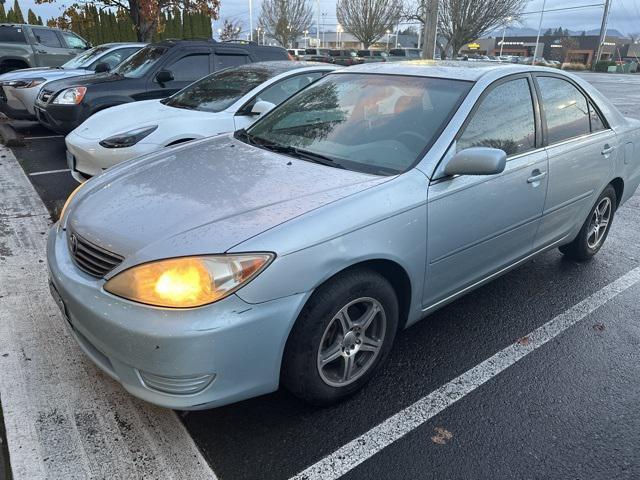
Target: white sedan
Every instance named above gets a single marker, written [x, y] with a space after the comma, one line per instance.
[222, 102]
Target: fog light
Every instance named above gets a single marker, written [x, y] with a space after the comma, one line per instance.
[183, 385]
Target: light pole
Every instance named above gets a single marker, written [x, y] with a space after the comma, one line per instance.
[397, 33]
[306, 36]
[504, 27]
[535, 53]
[339, 31]
[250, 20]
[388, 32]
[324, 29]
[317, 24]
[258, 31]
[219, 34]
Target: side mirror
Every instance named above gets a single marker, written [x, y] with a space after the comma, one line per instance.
[164, 76]
[477, 161]
[261, 107]
[102, 67]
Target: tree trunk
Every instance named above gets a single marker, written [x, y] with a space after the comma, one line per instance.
[145, 27]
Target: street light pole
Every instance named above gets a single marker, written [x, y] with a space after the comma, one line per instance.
[535, 52]
[318, 24]
[388, 32]
[430, 29]
[603, 31]
[250, 20]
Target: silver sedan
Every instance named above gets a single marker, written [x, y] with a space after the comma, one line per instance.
[292, 252]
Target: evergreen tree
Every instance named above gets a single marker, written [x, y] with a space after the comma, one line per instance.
[548, 32]
[17, 13]
[32, 19]
[178, 20]
[10, 16]
[3, 15]
[40, 20]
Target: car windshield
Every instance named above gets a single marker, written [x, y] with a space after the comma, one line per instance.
[372, 123]
[220, 90]
[85, 58]
[140, 62]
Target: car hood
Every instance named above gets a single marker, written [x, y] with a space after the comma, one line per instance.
[86, 80]
[202, 197]
[27, 73]
[129, 116]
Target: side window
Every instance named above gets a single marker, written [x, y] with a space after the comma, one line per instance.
[226, 61]
[191, 68]
[565, 109]
[114, 58]
[46, 37]
[280, 91]
[73, 41]
[596, 120]
[504, 120]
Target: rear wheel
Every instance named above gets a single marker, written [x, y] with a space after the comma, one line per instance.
[341, 337]
[595, 229]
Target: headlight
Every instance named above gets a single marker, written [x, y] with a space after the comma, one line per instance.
[128, 139]
[188, 281]
[24, 83]
[70, 96]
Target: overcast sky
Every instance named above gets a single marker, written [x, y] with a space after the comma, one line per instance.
[625, 14]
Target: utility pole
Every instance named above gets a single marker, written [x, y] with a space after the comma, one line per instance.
[603, 32]
[250, 21]
[430, 29]
[318, 24]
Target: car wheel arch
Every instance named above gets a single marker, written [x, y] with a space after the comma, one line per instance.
[618, 185]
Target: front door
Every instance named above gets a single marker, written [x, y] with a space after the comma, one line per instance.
[186, 68]
[478, 225]
[582, 152]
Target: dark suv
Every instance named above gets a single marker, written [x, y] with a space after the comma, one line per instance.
[345, 57]
[156, 71]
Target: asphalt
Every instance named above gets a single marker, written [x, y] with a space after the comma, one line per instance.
[567, 410]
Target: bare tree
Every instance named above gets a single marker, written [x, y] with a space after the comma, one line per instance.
[230, 30]
[284, 20]
[462, 21]
[368, 20]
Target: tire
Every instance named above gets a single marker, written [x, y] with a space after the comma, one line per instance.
[319, 332]
[591, 237]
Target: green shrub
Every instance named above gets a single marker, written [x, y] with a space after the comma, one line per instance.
[603, 65]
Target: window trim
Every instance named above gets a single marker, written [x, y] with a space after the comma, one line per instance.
[586, 96]
[537, 113]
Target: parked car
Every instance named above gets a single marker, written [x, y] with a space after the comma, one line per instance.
[19, 88]
[156, 71]
[296, 53]
[396, 54]
[345, 57]
[25, 46]
[219, 103]
[292, 252]
[372, 56]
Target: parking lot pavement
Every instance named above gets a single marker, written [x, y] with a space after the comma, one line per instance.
[496, 396]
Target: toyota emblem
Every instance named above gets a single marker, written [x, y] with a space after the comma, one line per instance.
[73, 241]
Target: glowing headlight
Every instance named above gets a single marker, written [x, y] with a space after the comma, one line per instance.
[128, 139]
[33, 82]
[70, 96]
[188, 281]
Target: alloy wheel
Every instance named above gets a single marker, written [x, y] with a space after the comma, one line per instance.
[351, 342]
[600, 218]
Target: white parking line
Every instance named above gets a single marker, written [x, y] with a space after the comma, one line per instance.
[44, 137]
[47, 172]
[368, 444]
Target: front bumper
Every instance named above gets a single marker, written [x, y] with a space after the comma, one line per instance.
[60, 118]
[206, 357]
[14, 106]
[89, 158]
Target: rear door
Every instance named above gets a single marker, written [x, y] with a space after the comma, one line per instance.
[226, 57]
[50, 49]
[186, 66]
[478, 225]
[582, 151]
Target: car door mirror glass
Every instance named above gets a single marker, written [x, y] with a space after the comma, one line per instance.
[261, 107]
[164, 76]
[102, 67]
[477, 161]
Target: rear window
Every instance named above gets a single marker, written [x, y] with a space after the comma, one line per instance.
[12, 35]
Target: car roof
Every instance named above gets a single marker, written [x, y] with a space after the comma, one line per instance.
[122, 44]
[459, 70]
[276, 67]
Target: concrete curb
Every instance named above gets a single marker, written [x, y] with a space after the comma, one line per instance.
[65, 419]
[9, 136]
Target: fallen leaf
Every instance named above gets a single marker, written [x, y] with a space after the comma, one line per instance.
[524, 341]
[599, 327]
[442, 436]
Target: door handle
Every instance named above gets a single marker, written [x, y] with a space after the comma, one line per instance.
[536, 176]
[41, 51]
[607, 149]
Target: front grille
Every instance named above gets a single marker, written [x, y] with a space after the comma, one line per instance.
[90, 258]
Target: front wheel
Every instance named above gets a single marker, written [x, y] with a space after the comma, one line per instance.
[595, 229]
[341, 337]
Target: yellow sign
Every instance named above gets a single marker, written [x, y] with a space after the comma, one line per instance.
[473, 46]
